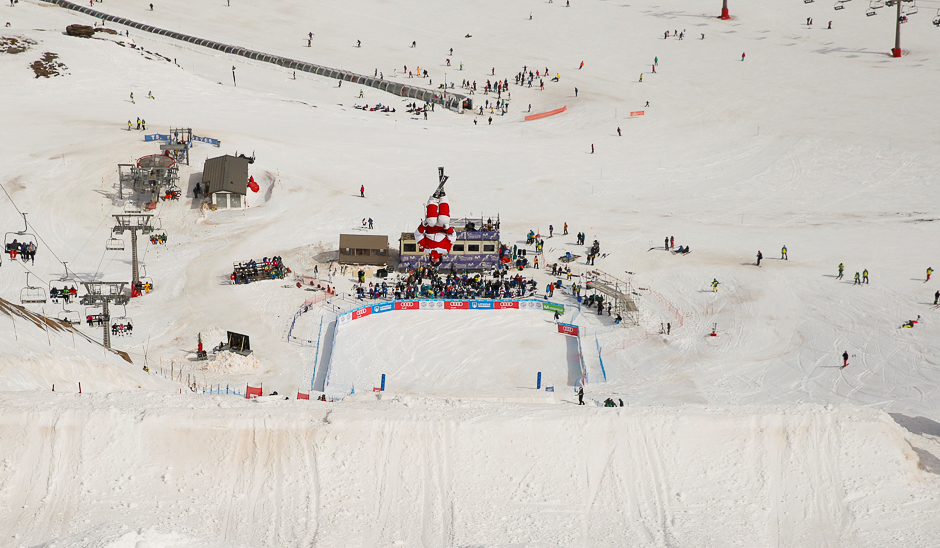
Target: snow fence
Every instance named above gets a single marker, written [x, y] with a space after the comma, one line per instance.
[453, 101]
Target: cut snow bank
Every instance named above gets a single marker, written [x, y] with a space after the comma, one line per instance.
[105, 470]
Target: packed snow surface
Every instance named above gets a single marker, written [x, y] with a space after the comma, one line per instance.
[762, 131]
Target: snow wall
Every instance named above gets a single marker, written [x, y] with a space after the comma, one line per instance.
[453, 101]
[408, 471]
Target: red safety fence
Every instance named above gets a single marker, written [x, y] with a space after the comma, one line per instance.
[252, 392]
[545, 114]
[302, 396]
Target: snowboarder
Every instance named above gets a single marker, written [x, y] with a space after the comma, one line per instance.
[845, 359]
[715, 285]
[841, 268]
[856, 280]
[618, 133]
[759, 257]
[580, 395]
[929, 272]
[865, 276]
[783, 253]
[149, 95]
[362, 191]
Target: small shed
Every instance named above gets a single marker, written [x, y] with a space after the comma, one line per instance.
[363, 249]
[225, 181]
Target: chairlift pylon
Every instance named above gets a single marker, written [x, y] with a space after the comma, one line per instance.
[32, 294]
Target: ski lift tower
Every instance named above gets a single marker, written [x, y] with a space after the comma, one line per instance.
[103, 294]
[151, 174]
[181, 140]
[133, 222]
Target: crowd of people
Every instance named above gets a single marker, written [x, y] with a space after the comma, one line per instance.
[270, 268]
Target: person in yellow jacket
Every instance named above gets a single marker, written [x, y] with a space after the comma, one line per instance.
[715, 285]
[865, 276]
[783, 253]
[929, 272]
[841, 268]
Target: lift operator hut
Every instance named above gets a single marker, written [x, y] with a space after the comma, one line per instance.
[225, 180]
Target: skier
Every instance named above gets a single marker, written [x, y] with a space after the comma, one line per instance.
[362, 191]
[129, 125]
[672, 241]
[742, 56]
[149, 95]
[783, 253]
[929, 272]
[592, 148]
[865, 276]
[856, 280]
[641, 76]
[151, 7]
[654, 69]
[360, 94]
[580, 395]
[618, 133]
[582, 65]
[370, 223]
[668, 327]
[666, 245]
[132, 98]
[936, 297]
[830, 26]
[490, 121]
[575, 92]
[551, 228]
[143, 124]
[358, 43]
[841, 268]
[655, 61]
[845, 359]
[759, 257]
[715, 285]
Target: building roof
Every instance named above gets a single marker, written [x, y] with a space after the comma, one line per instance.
[363, 241]
[226, 174]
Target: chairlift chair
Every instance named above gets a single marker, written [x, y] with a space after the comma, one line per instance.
[936, 20]
[876, 4]
[147, 281]
[839, 5]
[871, 12]
[912, 9]
[807, 1]
[70, 316]
[32, 294]
[114, 244]
[121, 325]
[21, 236]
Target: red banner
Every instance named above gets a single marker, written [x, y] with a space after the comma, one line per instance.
[406, 305]
[507, 304]
[362, 312]
[457, 305]
[637, 113]
[252, 392]
[302, 396]
[566, 329]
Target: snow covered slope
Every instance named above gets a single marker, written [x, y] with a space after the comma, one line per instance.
[109, 470]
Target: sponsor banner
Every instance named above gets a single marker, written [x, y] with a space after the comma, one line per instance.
[431, 305]
[361, 312]
[568, 329]
[553, 307]
[637, 113]
[384, 307]
[499, 305]
[156, 137]
[406, 305]
[481, 305]
[345, 318]
[530, 304]
[209, 140]
[458, 305]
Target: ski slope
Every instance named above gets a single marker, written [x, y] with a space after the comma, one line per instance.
[437, 352]
[817, 140]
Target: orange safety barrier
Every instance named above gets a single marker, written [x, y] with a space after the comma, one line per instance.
[544, 114]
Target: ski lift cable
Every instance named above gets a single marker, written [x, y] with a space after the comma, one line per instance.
[36, 232]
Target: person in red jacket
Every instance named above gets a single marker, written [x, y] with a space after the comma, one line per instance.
[362, 191]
